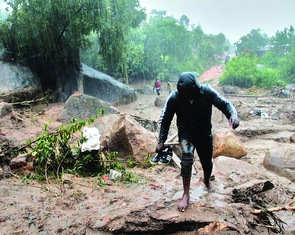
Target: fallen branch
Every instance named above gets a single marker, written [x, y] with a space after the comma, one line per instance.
[16, 116]
[29, 102]
[45, 97]
[288, 207]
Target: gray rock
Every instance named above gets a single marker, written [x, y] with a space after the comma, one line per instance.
[106, 88]
[18, 83]
[230, 90]
[129, 138]
[281, 161]
[81, 107]
[160, 101]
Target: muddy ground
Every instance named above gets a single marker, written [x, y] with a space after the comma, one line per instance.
[149, 207]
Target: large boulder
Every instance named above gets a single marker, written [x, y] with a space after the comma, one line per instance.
[106, 88]
[129, 138]
[281, 161]
[226, 143]
[104, 125]
[18, 83]
[160, 101]
[81, 106]
[232, 90]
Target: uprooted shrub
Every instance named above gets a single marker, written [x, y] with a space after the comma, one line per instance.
[59, 152]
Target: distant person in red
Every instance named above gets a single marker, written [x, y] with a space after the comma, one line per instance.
[157, 86]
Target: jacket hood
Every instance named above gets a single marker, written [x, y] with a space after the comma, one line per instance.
[188, 84]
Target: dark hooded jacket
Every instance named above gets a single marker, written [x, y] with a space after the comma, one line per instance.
[192, 103]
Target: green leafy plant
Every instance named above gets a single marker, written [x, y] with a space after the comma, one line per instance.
[52, 151]
[243, 72]
[59, 152]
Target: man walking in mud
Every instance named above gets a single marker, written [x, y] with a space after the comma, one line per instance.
[192, 103]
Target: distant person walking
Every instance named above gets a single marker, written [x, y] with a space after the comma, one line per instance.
[157, 86]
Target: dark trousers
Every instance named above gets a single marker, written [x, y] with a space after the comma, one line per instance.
[158, 90]
[203, 144]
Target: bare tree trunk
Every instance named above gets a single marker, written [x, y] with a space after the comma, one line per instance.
[80, 83]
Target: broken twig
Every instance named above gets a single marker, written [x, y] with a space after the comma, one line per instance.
[288, 207]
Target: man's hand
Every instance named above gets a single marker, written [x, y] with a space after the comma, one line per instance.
[234, 121]
[160, 147]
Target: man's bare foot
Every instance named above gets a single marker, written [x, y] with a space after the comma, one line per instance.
[183, 203]
[210, 187]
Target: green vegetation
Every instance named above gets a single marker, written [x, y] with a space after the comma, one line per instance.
[243, 71]
[57, 153]
[253, 41]
[276, 55]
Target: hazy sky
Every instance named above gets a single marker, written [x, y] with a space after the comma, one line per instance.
[2, 4]
[234, 18]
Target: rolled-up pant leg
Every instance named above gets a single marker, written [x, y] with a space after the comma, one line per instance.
[187, 158]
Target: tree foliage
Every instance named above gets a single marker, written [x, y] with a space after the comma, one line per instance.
[170, 46]
[167, 46]
[281, 55]
[288, 67]
[48, 35]
[284, 41]
[277, 59]
[210, 49]
[253, 41]
[59, 152]
[243, 72]
[164, 47]
[240, 71]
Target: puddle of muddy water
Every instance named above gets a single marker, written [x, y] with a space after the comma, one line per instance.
[200, 193]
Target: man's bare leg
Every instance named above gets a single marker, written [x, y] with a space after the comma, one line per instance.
[183, 203]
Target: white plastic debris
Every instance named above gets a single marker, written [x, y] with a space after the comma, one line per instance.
[264, 115]
[115, 175]
[92, 139]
